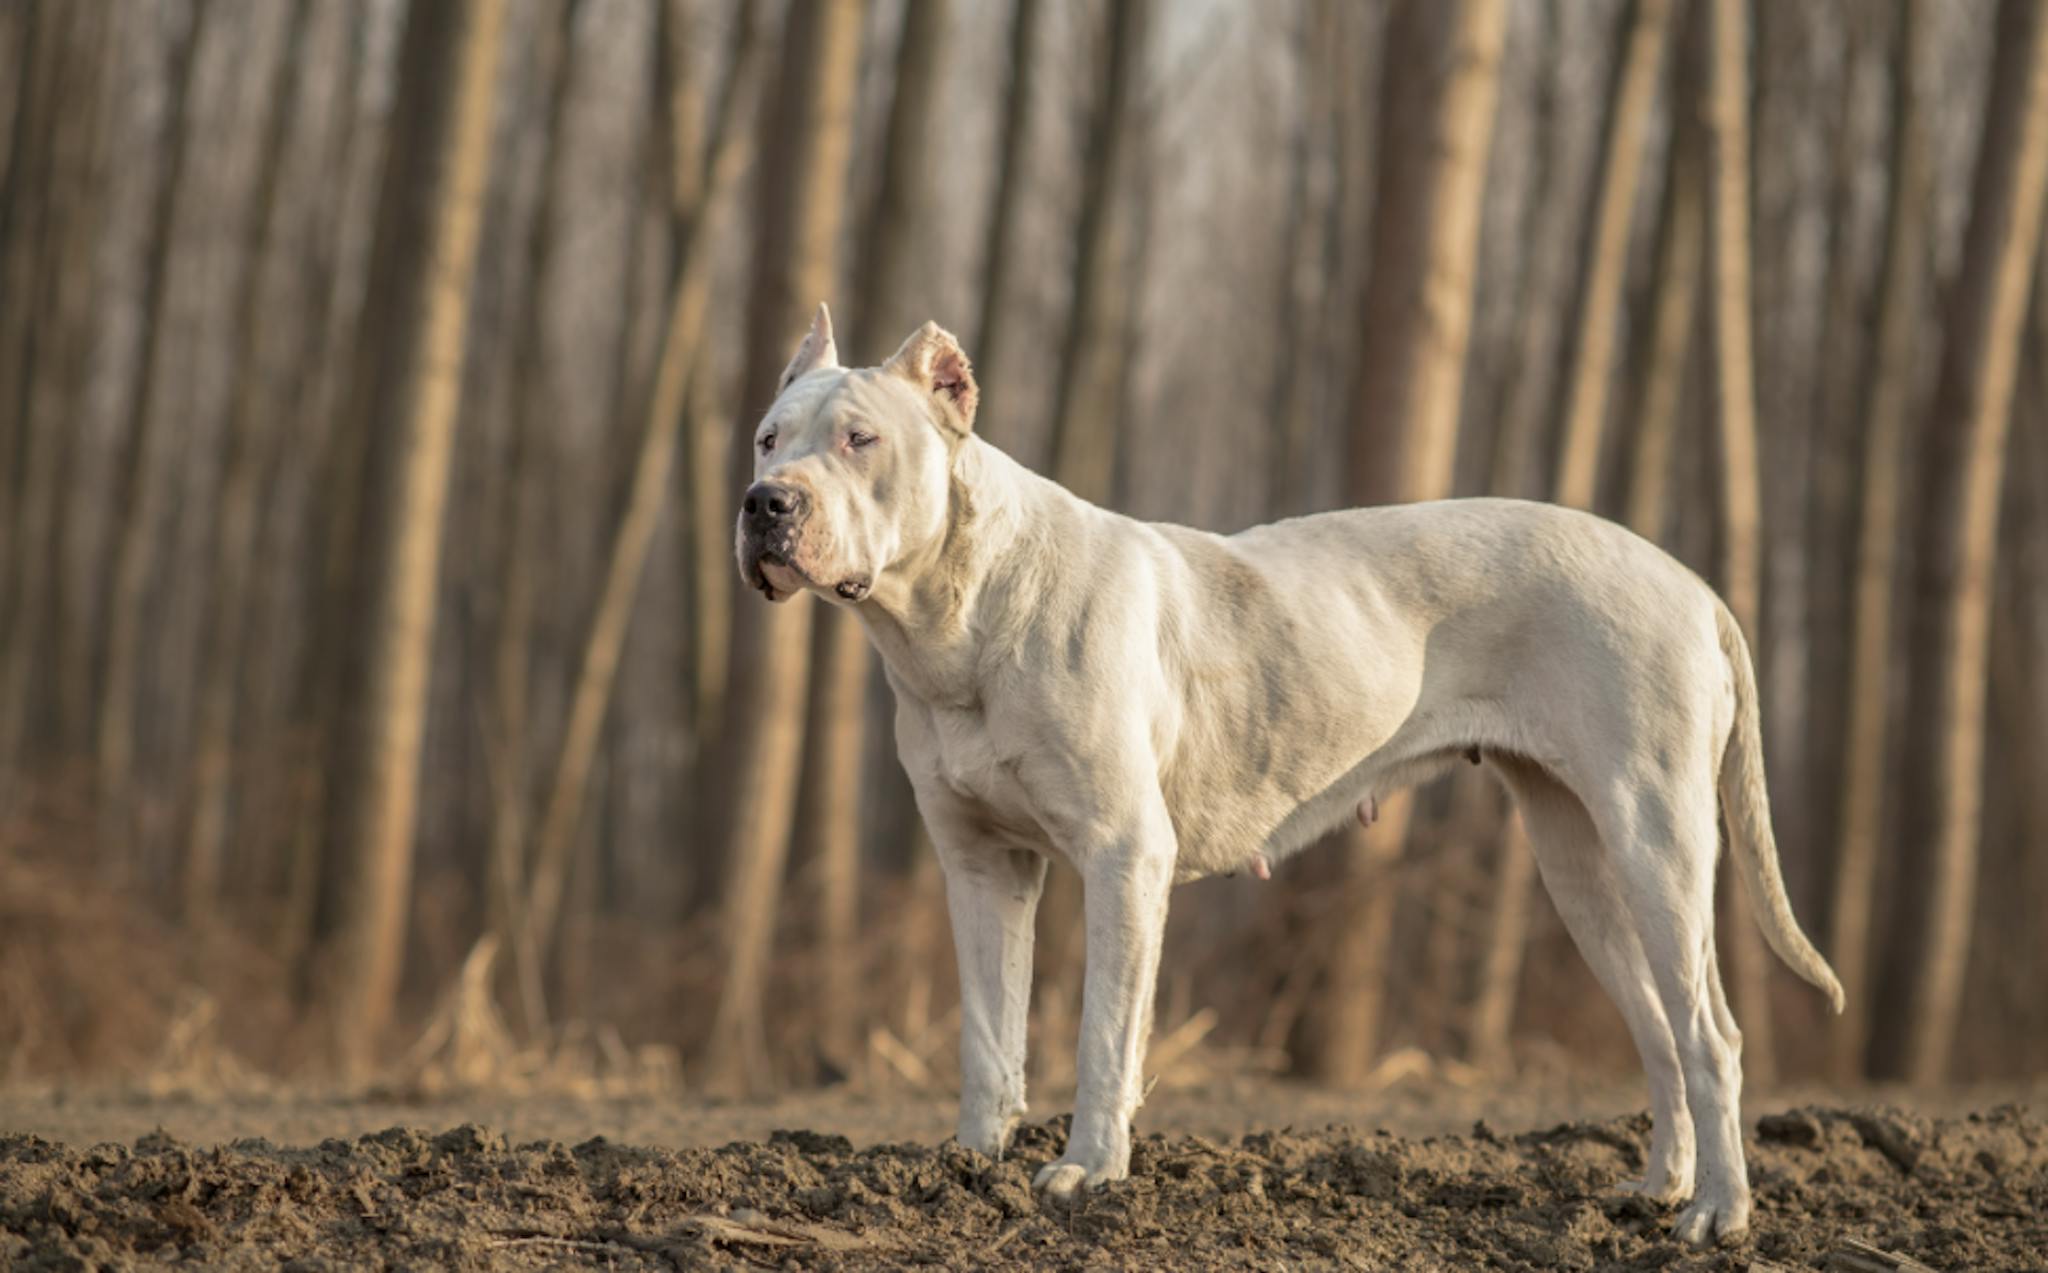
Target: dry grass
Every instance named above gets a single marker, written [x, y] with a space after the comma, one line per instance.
[465, 1048]
[99, 986]
[96, 982]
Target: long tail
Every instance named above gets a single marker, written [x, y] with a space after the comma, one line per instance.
[1747, 806]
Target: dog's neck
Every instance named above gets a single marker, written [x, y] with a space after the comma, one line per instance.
[931, 614]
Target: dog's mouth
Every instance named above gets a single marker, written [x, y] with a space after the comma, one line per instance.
[773, 573]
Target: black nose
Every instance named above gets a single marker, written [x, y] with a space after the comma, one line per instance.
[767, 503]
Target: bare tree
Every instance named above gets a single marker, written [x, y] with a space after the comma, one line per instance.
[30, 103]
[708, 508]
[1887, 399]
[407, 393]
[1964, 470]
[521, 511]
[17, 51]
[689, 302]
[1436, 125]
[707, 523]
[805, 148]
[1734, 382]
[1443, 70]
[1524, 389]
[326, 357]
[1674, 308]
[250, 441]
[49, 228]
[1491, 1026]
[1304, 281]
[998, 249]
[1085, 404]
[1631, 91]
[138, 500]
[1849, 315]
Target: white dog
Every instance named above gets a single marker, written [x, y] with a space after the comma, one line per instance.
[1156, 704]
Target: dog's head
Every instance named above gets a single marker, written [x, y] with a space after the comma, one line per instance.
[851, 466]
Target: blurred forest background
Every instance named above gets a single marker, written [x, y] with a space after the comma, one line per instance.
[376, 685]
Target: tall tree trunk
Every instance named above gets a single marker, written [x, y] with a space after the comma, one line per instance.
[37, 40]
[17, 52]
[1084, 419]
[1727, 115]
[23, 207]
[1436, 126]
[1887, 400]
[324, 365]
[83, 182]
[707, 528]
[688, 304]
[408, 389]
[1347, 233]
[1849, 316]
[883, 287]
[1003, 201]
[54, 199]
[1303, 281]
[1526, 388]
[1660, 390]
[1490, 1031]
[1786, 338]
[1630, 94]
[1964, 467]
[708, 503]
[898, 220]
[251, 438]
[803, 198]
[138, 501]
[527, 470]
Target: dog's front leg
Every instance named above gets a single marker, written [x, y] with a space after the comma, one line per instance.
[992, 897]
[1125, 902]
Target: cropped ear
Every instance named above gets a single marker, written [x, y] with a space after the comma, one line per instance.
[932, 360]
[818, 350]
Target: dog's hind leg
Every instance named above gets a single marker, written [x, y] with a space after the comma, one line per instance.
[1665, 840]
[1578, 872]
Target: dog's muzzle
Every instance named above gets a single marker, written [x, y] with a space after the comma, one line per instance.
[772, 517]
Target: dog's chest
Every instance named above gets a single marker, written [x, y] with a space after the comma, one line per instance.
[966, 757]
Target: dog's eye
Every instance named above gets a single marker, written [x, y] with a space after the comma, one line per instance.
[858, 439]
[767, 442]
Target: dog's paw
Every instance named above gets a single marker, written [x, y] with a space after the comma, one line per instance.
[1062, 1182]
[1709, 1220]
[1658, 1187]
[989, 1136]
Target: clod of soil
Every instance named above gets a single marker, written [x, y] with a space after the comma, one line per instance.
[1957, 1194]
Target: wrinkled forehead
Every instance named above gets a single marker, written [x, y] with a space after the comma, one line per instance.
[829, 397]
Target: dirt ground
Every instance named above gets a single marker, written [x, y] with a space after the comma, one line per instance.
[1414, 1178]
